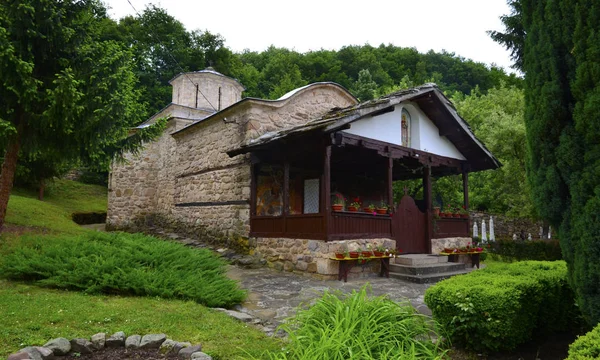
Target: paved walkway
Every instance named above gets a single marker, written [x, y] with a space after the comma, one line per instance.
[273, 295]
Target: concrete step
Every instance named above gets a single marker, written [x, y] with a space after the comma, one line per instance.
[427, 279]
[420, 259]
[427, 269]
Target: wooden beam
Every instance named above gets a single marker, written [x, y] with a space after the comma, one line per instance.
[465, 179]
[326, 192]
[286, 193]
[253, 184]
[428, 212]
[390, 182]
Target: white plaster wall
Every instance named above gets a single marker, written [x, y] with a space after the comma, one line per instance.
[385, 127]
[424, 134]
[429, 136]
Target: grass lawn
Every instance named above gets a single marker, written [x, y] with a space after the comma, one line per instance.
[31, 316]
[62, 199]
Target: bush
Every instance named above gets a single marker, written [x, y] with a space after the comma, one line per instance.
[500, 307]
[120, 263]
[541, 250]
[586, 347]
[358, 327]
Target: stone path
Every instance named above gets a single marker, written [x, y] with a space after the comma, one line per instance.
[273, 296]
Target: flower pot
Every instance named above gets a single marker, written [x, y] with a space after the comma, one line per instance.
[448, 251]
[381, 211]
[367, 253]
[378, 253]
[354, 254]
[436, 210]
[464, 216]
[456, 215]
[340, 256]
[352, 208]
[337, 207]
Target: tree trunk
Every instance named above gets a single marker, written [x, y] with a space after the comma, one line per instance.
[7, 176]
[41, 189]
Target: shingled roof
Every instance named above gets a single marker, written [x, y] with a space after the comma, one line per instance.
[438, 108]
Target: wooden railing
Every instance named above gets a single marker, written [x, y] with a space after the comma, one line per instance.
[353, 225]
[451, 227]
[302, 226]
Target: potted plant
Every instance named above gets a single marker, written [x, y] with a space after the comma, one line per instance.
[448, 212]
[382, 208]
[371, 209]
[456, 211]
[354, 254]
[436, 211]
[341, 255]
[338, 202]
[367, 253]
[354, 205]
[464, 213]
[379, 251]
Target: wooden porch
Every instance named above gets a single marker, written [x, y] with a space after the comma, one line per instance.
[292, 185]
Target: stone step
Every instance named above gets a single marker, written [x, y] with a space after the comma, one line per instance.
[420, 259]
[427, 279]
[436, 268]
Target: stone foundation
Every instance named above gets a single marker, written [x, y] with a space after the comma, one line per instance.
[313, 256]
[437, 245]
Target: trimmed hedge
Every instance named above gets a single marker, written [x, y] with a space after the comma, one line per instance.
[541, 250]
[500, 307]
[586, 347]
[120, 263]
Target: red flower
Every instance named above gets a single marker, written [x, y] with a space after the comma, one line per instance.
[399, 250]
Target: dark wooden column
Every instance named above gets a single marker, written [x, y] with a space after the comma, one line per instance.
[286, 193]
[427, 199]
[390, 181]
[326, 192]
[253, 165]
[465, 179]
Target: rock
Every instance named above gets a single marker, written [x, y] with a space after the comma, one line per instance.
[167, 346]
[133, 341]
[116, 340]
[82, 346]
[152, 341]
[99, 340]
[21, 355]
[38, 353]
[239, 315]
[180, 345]
[59, 346]
[200, 356]
[186, 352]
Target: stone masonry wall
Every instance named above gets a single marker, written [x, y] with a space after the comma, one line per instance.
[437, 245]
[312, 256]
[505, 227]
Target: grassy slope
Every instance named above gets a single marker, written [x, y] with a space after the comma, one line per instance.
[30, 315]
[62, 198]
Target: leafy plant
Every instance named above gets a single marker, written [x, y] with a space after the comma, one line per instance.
[502, 306]
[586, 347]
[356, 326]
[120, 263]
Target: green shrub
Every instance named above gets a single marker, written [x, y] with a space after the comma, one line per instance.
[500, 307]
[586, 347]
[541, 250]
[355, 326]
[129, 264]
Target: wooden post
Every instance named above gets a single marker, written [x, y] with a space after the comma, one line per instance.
[253, 184]
[465, 179]
[428, 205]
[286, 194]
[326, 192]
[390, 180]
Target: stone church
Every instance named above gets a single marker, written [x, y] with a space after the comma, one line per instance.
[262, 175]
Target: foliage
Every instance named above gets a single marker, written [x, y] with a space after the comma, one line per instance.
[497, 119]
[543, 250]
[502, 306]
[586, 347]
[67, 95]
[32, 316]
[355, 326]
[364, 88]
[120, 263]
[560, 56]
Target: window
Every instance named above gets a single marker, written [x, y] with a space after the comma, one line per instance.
[269, 190]
[311, 196]
[405, 132]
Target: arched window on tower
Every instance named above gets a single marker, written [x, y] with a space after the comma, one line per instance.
[405, 128]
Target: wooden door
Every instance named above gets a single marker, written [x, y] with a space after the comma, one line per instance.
[409, 227]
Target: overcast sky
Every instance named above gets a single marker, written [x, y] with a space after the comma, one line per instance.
[457, 26]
